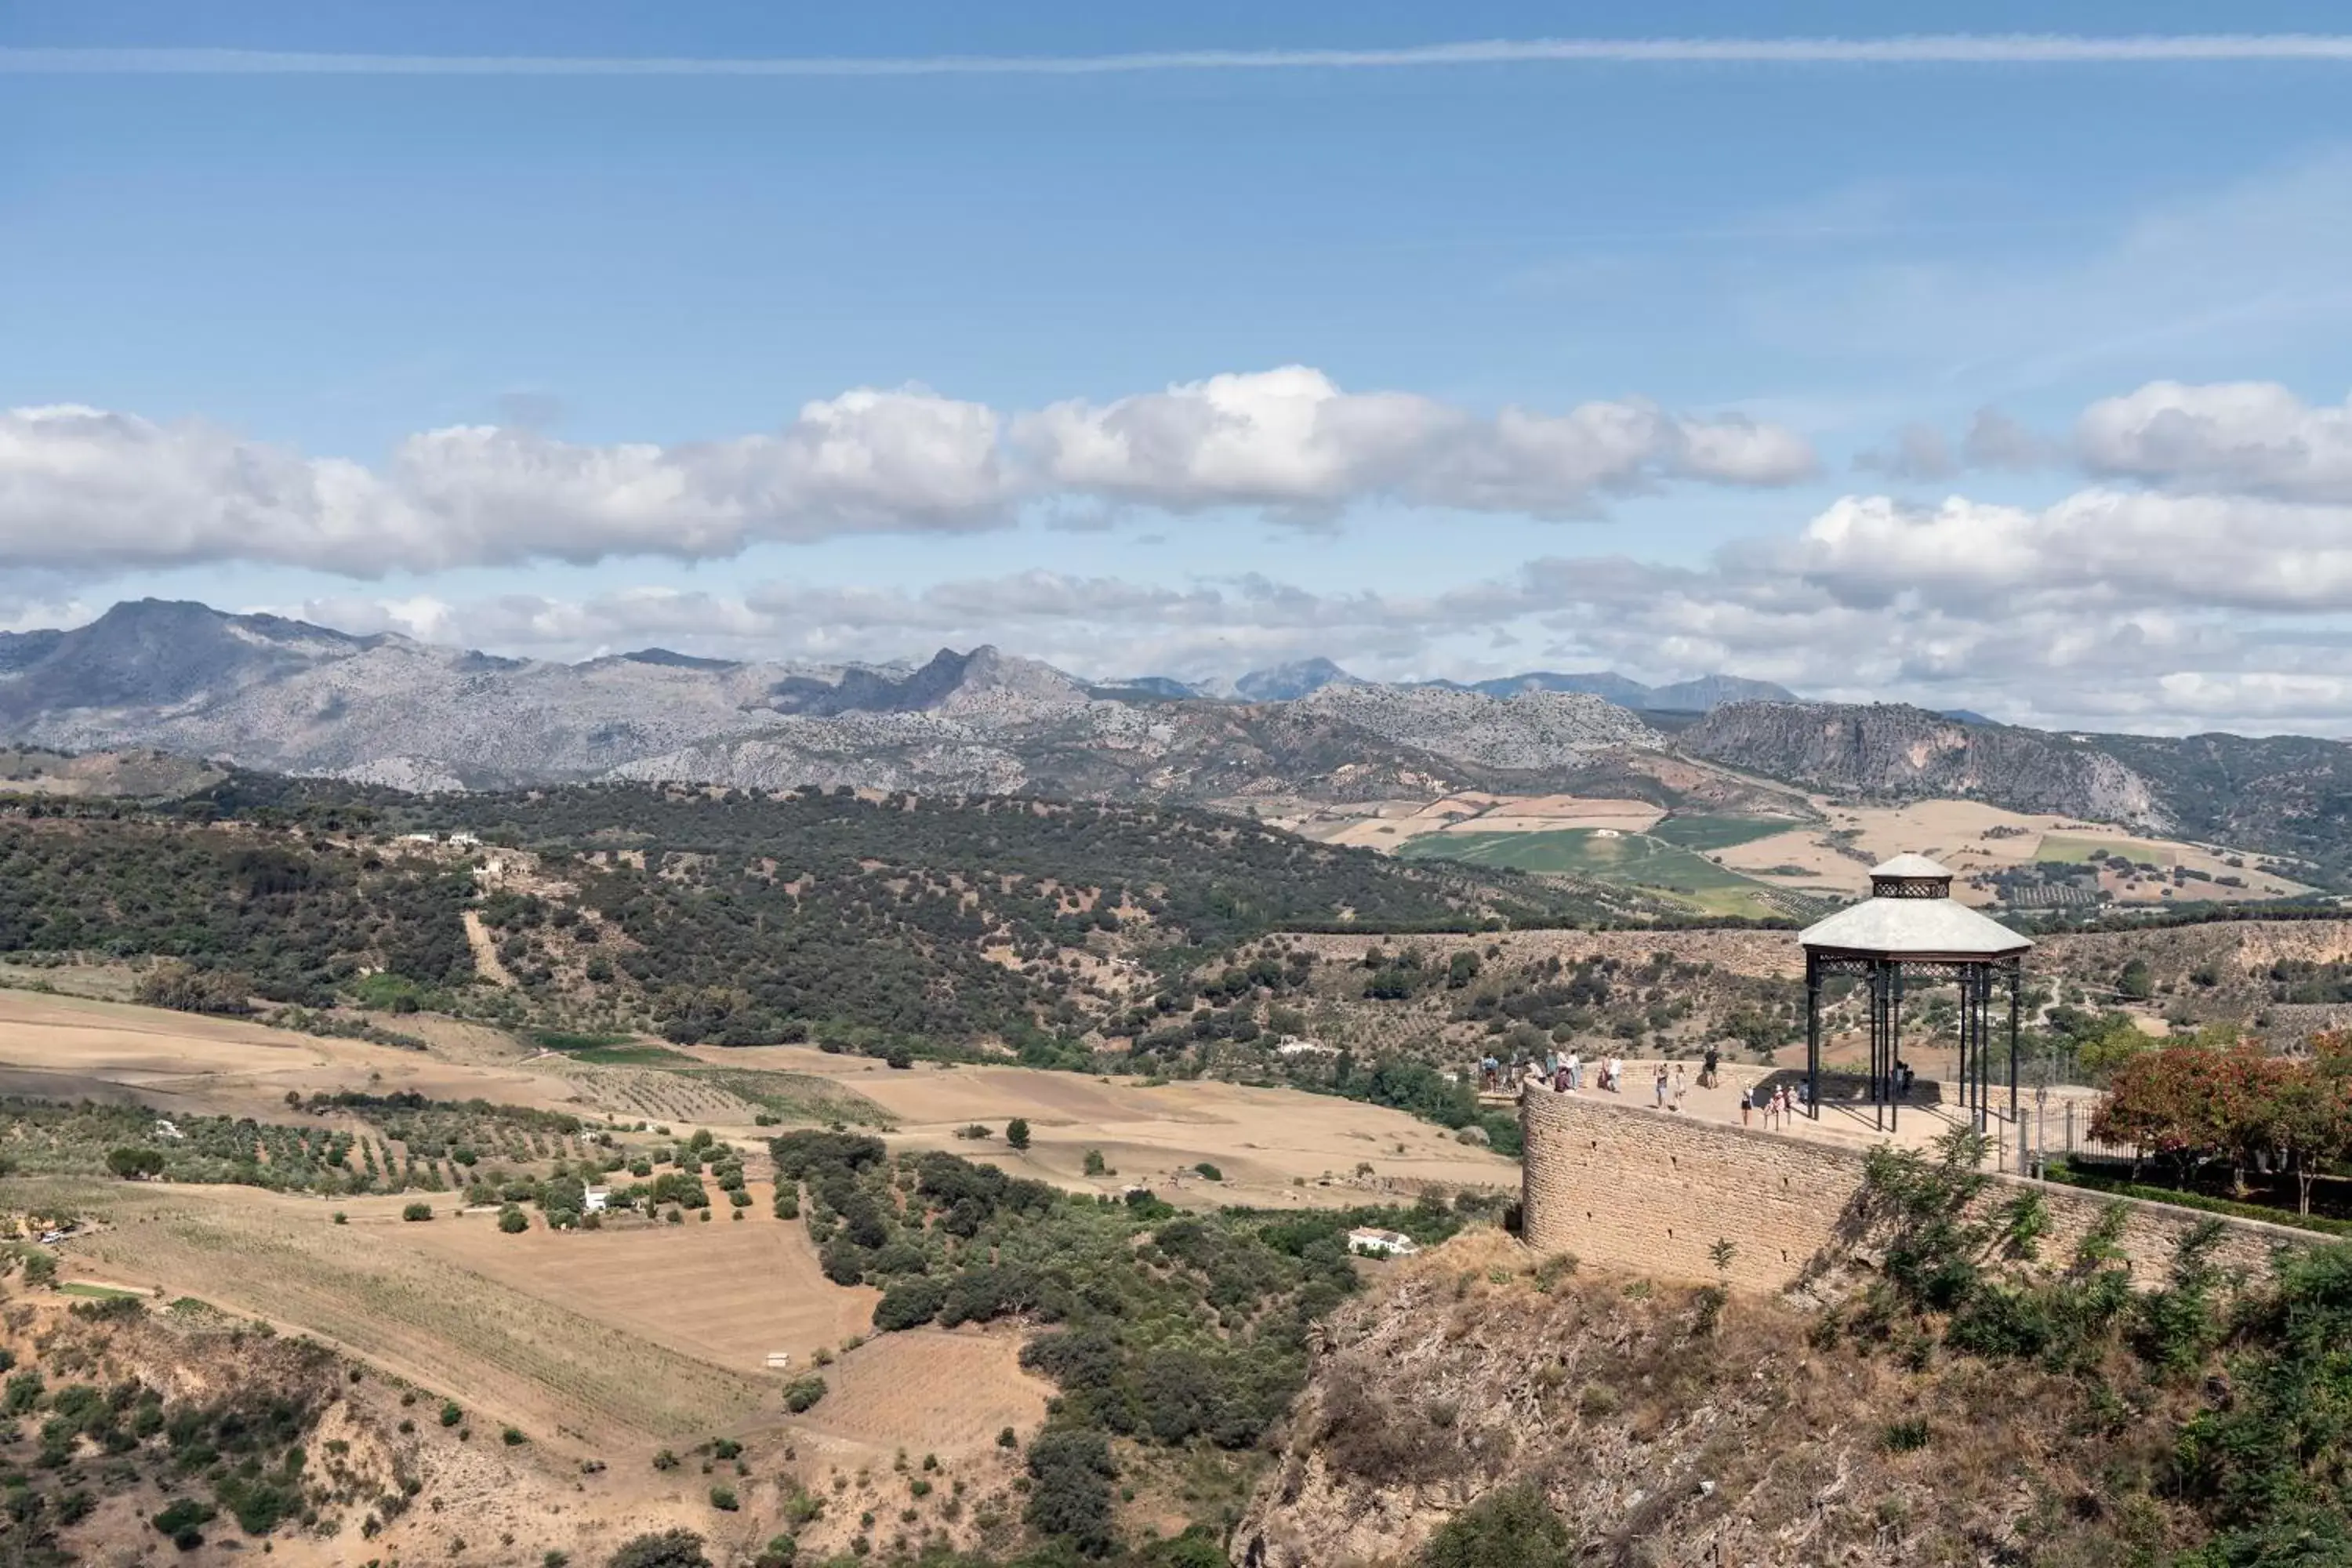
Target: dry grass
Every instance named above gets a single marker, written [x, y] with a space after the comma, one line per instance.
[1385, 825]
[728, 1292]
[1969, 836]
[1275, 1147]
[376, 1289]
[952, 1390]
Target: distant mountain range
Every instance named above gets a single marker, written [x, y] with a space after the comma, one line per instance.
[1289, 682]
[277, 695]
[265, 692]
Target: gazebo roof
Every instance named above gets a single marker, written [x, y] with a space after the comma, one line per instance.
[1913, 868]
[1906, 920]
[1913, 928]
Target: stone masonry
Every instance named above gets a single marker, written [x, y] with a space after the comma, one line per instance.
[1651, 1192]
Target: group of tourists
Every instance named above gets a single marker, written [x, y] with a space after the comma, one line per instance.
[1565, 1072]
[1780, 1107]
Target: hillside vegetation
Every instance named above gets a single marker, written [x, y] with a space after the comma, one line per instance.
[1971, 1398]
[897, 923]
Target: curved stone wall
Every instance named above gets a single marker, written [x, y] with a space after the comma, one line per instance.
[1651, 1192]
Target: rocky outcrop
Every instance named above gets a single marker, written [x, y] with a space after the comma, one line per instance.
[1531, 729]
[1664, 1424]
[1899, 753]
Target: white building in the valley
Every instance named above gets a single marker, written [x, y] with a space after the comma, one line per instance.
[1377, 1243]
[595, 1198]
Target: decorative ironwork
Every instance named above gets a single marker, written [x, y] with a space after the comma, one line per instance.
[1883, 976]
[1910, 887]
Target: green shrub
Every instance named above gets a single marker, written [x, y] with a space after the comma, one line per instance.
[670, 1549]
[910, 1304]
[803, 1393]
[451, 1413]
[1512, 1528]
[135, 1165]
[512, 1220]
[181, 1516]
[1210, 1172]
[418, 1211]
[1070, 1472]
[1016, 1132]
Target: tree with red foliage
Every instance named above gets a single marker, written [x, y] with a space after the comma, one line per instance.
[2193, 1104]
[2315, 1111]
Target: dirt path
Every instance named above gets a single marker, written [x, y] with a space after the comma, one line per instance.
[487, 963]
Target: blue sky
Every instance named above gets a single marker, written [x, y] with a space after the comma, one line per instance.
[1785, 292]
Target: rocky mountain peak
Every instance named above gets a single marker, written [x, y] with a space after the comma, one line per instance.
[154, 653]
[1288, 682]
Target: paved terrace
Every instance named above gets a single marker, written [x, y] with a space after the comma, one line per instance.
[1845, 1124]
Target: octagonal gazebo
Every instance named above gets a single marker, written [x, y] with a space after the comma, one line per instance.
[1911, 925]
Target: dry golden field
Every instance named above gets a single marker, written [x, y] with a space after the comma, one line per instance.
[540, 1358]
[1274, 1147]
[1969, 836]
[641, 1335]
[957, 1388]
[1385, 825]
[727, 1292]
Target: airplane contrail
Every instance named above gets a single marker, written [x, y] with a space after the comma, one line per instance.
[1937, 48]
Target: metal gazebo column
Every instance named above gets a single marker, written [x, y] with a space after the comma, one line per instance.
[1813, 1034]
[2016, 1002]
[1966, 1030]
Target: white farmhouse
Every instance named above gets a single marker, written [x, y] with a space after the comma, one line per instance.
[1372, 1242]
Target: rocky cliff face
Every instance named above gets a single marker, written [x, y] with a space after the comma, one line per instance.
[1663, 1425]
[1908, 753]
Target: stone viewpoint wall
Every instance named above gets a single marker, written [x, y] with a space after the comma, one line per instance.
[1651, 1192]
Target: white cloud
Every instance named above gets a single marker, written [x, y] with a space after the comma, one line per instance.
[2020, 612]
[864, 462]
[2252, 436]
[2121, 546]
[1291, 440]
[82, 488]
